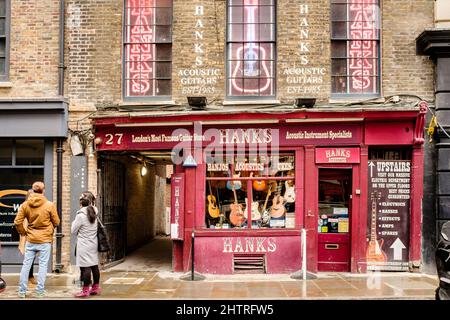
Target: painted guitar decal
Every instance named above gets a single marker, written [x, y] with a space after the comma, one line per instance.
[374, 252]
[251, 57]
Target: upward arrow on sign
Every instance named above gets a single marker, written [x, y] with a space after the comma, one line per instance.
[371, 165]
[397, 246]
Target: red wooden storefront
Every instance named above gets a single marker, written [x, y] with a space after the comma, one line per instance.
[333, 157]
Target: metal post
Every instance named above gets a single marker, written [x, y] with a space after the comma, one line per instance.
[192, 276]
[303, 274]
[303, 237]
[59, 235]
[192, 260]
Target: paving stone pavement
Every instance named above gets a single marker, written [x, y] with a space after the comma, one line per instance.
[167, 285]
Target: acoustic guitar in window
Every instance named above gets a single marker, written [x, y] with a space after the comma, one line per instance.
[237, 217]
[375, 253]
[213, 209]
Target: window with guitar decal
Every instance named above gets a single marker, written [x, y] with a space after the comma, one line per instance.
[355, 47]
[250, 192]
[251, 48]
[147, 48]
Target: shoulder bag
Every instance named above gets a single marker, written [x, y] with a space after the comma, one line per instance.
[102, 237]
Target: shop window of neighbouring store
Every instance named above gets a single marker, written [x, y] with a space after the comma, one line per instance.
[21, 163]
[148, 49]
[250, 192]
[355, 47]
[251, 47]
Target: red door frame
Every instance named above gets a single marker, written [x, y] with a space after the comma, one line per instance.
[312, 210]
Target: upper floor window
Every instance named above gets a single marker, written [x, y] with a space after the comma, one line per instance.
[251, 48]
[4, 39]
[148, 48]
[355, 47]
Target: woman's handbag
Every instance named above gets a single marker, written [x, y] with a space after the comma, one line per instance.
[102, 237]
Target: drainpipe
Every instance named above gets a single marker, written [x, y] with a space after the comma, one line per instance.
[59, 148]
[61, 49]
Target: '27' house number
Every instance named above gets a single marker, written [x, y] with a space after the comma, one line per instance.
[110, 138]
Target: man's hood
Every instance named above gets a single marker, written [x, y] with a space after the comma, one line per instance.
[36, 200]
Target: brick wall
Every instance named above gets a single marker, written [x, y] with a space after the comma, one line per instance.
[94, 56]
[402, 70]
[94, 44]
[33, 49]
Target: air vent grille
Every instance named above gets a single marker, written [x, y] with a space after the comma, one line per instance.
[249, 264]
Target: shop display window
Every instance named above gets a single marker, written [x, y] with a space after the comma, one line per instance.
[269, 183]
[334, 203]
[21, 164]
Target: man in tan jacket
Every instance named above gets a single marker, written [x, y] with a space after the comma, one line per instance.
[42, 221]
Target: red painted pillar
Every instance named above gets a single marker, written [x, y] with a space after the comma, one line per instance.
[299, 188]
[189, 217]
[177, 248]
[311, 208]
[415, 240]
[363, 205]
[198, 189]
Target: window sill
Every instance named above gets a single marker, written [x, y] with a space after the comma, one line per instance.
[147, 103]
[249, 102]
[247, 232]
[6, 84]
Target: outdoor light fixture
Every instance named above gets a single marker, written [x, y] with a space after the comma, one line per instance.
[98, 140]
[197, 103]
[143, 169]
[305, 102]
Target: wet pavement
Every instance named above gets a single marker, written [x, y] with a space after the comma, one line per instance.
[148, 285]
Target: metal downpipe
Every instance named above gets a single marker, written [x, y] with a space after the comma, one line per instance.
[59, 148]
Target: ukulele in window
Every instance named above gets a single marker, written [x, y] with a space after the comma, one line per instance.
[278, 209]
[213, 209]
[237, 217]
[374, 253]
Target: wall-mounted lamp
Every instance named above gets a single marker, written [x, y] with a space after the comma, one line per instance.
[197, 103]
[304, 102]
[98, 140]
[143, 169]
[76, 146]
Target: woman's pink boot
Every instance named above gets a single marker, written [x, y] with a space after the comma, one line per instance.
[83, 293]
[95, 290]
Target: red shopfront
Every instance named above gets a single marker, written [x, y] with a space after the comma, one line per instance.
[248, 183]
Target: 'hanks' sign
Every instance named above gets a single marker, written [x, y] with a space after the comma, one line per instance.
[337, 155]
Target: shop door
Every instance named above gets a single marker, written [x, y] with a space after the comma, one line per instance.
[112, 207]
[335, 214]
